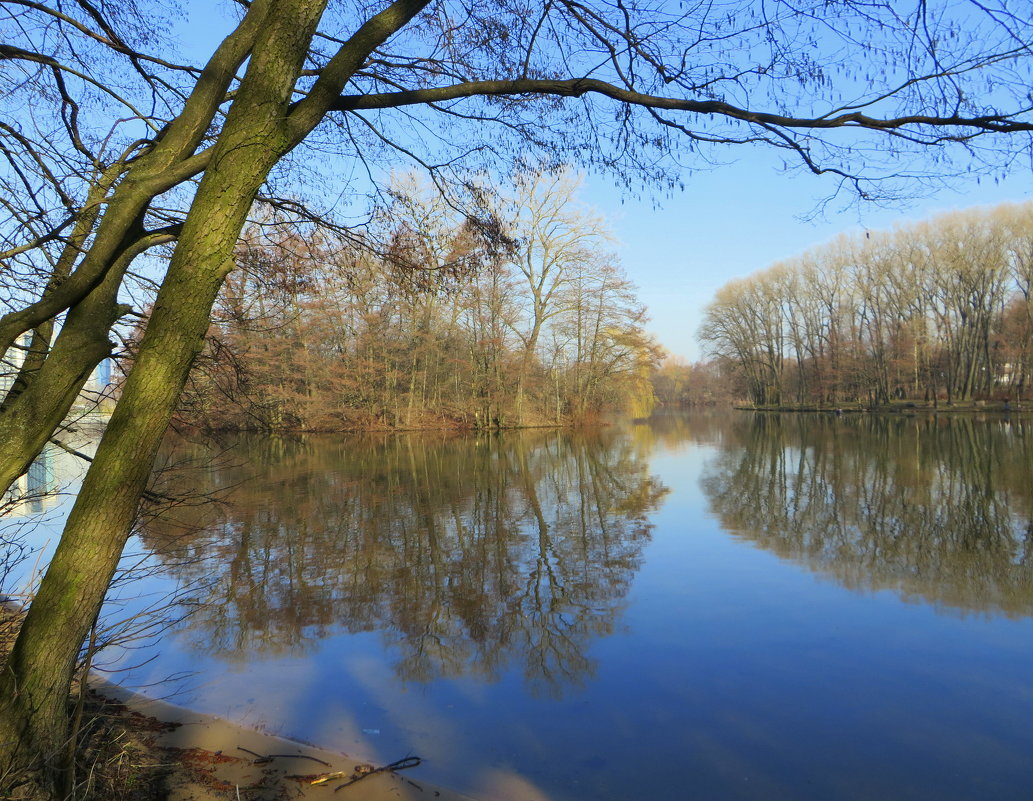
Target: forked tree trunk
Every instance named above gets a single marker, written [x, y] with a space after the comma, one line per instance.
[34, 688]
[258, 131]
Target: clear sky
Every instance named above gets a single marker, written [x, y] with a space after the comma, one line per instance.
[741, 218]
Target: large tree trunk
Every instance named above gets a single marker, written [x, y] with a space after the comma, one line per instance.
[53, 383]
[34, 687]
[260, 128]
[46, 388]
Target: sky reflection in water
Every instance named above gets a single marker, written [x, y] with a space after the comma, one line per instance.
[713, 607]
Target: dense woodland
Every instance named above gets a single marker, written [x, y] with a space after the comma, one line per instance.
[679, 383]
[433, 318]
[934, 311]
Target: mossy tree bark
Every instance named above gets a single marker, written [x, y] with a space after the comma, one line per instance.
[53, 376]
[260, 128]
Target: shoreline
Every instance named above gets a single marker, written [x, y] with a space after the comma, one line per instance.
[219, 759]
[903, 408]
[135, 748]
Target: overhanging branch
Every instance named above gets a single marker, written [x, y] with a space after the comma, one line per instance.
[579, 87]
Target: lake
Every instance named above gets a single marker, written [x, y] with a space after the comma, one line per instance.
[711, 606]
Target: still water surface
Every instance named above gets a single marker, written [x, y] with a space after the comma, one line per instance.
[701, 607]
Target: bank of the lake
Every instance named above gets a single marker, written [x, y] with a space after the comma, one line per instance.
[897, 407]
[131, 747]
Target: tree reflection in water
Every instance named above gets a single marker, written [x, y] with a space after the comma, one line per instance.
[934, 508]
[471, 555]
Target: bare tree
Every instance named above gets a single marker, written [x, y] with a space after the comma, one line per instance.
[887, 315]
[554, 235]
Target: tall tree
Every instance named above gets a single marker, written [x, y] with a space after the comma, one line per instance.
[555, 235]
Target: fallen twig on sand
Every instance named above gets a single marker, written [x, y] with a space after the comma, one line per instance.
[261, 759]
[362, 771]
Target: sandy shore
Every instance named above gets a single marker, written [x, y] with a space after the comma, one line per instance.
[216, 759]
[144, 749]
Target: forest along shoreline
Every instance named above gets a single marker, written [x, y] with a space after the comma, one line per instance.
[129, 747]
[933, 310]
[902, 407]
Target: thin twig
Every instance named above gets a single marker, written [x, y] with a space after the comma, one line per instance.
[263, 758]
[401, 764]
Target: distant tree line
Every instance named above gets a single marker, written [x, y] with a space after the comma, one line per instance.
[679, 383]
[938, 310]
[435, 317]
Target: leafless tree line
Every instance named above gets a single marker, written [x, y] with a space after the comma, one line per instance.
[938, 310]
[436, 319]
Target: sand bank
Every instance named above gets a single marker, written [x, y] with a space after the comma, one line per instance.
[216, 759]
